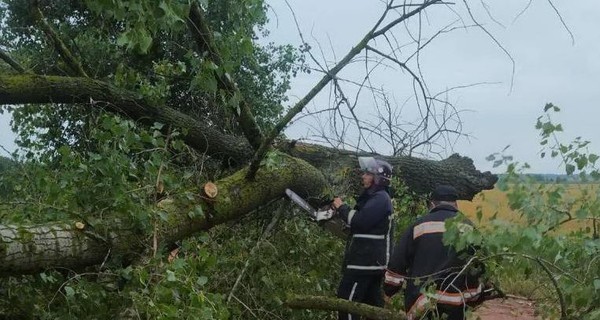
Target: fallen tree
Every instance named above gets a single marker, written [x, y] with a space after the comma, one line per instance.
[73, 244]
[420, 175]
[64, 245]
[249, 182]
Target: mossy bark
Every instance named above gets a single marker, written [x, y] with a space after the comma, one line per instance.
[23, 252]
[22, 89]
[27, 249]
[30, 249]
[420, 175]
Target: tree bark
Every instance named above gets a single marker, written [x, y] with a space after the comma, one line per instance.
[23, 89]
[420, 175]
[27, 249]
[30, 249]
[335, 304]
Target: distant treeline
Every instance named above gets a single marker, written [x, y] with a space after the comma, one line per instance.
[5, 163]
[554, 178]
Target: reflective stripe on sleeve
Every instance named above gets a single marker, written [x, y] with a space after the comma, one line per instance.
[369, 236]
[350, 216]
[356, 267]
[393, 278]
[429, 227]
[457, 299]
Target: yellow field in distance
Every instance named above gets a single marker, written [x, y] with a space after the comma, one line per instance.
[495, 201]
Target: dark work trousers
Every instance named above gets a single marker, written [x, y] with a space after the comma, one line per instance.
[360, 288]
[447, 312]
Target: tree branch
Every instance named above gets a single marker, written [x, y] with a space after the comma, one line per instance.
[331, 74]
[21, 89]
[562, 21]
[59, 45]
[8, 59]
[561, 298]
[203, 36]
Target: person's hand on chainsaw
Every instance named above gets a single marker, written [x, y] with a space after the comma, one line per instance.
[337, 203]
[340, 208]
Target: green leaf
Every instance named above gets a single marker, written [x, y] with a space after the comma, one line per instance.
[202, 280]
[69, 291]
[569, 169]
[179, 264]
[597, 284]
[198, 212]
[581, 162]
[171, 276]
[123, 39]
[163, 215]
[157, 126]
[530, 233]
[145, 41]
[170, 14]
[187, 175]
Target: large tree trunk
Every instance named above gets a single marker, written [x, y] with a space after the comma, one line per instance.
[420, 175]
[29, 249]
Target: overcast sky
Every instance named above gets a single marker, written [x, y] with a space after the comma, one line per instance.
[548, 68]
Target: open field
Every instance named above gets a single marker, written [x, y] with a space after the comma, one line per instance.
[495, 202]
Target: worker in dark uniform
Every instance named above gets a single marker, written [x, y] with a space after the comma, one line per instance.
[369, 245]
[422, 262]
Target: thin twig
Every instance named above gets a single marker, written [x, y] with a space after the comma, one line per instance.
[522, 11]
[563, 22]
[245, 306]
[330, 75]
[14, 64]
[512, 77]
[265, 234]
[59, 45]
[561, 298]
[489, 13]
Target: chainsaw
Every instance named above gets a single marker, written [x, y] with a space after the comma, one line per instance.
[315, 215]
